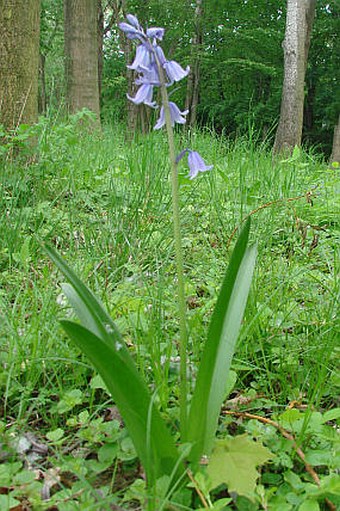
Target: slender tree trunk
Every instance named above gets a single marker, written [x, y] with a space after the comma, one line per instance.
[309, 104]
[119, 8]
[309, 20]
[100, 15]
[42, 101]
[81, 55]
[192, 96]
[19, 61]
[299, 21]
[335, 157]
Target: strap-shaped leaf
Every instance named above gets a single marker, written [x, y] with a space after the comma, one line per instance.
[152, 439]
[87, 307]
[219, 348]
[101, 341]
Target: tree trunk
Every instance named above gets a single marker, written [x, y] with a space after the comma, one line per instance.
[134, 112]
[192, 97]
[81, 55]
[300, 16]
[19, 61]
[336, 143]
[42, 101]
[309, 20]
[100, 34]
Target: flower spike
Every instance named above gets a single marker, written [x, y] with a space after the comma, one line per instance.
[148, 64]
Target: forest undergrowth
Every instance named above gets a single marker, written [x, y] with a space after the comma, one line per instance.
[105, 204]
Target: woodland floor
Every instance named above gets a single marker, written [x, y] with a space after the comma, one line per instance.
[106, 207]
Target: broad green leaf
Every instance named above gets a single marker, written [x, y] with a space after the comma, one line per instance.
[329, 484]
[219, 505]
[317, 457]
[107, 452]
[309, 505]
[233, 462]
[294, 480]
[152, 440]
[69, 400]
[55, 435]
[8, 502]
[219, 349]
[331, 415]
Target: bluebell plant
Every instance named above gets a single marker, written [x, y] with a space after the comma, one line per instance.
[155, 70]
[99, 338]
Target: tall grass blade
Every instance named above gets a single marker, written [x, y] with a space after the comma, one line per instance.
[102, 343]
[219, 348]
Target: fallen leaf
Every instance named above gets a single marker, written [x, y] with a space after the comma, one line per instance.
[233, 462]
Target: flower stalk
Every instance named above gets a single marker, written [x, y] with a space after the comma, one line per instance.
[154, 70]
[183, 335]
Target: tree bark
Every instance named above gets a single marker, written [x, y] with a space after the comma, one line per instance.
[19, 61]
[192, 96]
[309, 20]
[81, 55]
[100, 34]
[42, 101]
[137, 117]
[335, 157]
[299, 21]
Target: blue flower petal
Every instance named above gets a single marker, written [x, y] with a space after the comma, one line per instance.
[155, 32]
[174, 71]
[196, 164]
[175, 114]
[143, 95]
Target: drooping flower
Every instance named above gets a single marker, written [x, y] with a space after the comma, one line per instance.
[133, 21]
[160, 55]
[144, 95]
[155, 33]
[174, 71]
[175, 114]
[196, 164]
[149, 76]
[132, 32]
[142, 60]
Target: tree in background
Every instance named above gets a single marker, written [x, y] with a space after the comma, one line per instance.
[119, 11]
[81, 55]
[19, 61]
[192, 97]
[238, 55]
[241, 66]
[299, 21]
[322, 100]
[51, 66]
[335, 156]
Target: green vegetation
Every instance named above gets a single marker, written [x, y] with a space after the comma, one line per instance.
[105, 205]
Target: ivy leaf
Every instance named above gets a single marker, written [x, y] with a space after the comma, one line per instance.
[234, 461]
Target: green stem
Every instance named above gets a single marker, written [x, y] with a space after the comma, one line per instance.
[179, 258]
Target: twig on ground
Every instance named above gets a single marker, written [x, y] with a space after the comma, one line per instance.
[198, 491]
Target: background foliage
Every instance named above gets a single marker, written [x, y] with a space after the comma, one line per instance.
[241, 63]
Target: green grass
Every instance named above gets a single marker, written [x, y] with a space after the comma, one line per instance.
[106, 206]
